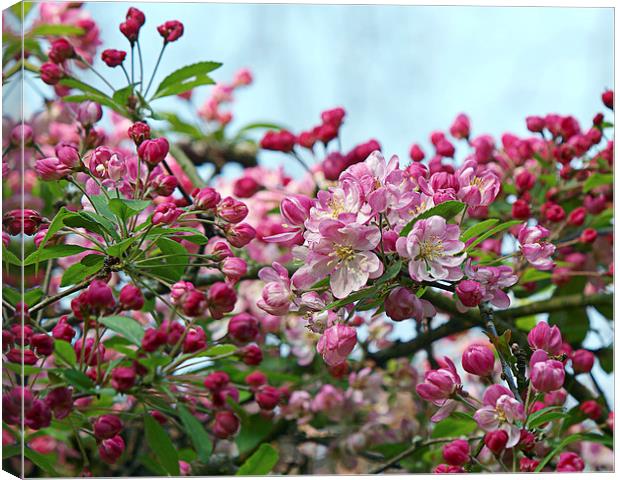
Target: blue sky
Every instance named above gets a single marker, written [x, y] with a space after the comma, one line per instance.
[400, 71]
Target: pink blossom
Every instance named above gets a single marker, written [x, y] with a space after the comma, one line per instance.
[336, 343]
[535, 251]
[439, 386]
[344, 253]
[544, 337]
[431, 248]
[493, 280]
[547, 376]
[504, 415]
[402, 304]
[276, 294]
[477, 185]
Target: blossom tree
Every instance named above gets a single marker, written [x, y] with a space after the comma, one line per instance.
[373, 315]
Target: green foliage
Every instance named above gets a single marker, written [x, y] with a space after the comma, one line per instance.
[478, 228]
[195, 430]
[497, 229]
[186, 78]
[160, 444]
[64, 350]
[53, 251]
[126, 327]
[89, 265]
[454, 426]
[597, 180]
[261, 462]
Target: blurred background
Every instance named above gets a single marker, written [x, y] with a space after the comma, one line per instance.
[399, 71]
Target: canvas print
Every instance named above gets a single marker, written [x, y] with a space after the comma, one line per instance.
[252, 239]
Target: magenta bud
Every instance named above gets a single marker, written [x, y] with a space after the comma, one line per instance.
[107, 426]
[456, 453]
[243, 328]
[469, 292]
[479, 360]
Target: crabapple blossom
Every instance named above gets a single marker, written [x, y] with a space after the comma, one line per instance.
[336, 343]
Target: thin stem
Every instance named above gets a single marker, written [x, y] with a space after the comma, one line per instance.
[161, 52]
[90, 67]
[126, 75]
[487, 316]
[58, 296]
[141, 66]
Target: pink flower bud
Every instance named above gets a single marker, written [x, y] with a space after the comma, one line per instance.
[557, 397]
[402, 304]
[535, 124]
[136, 15]
[154, 151]
[113, 58]
[51, 169]
[226, 424]
[282, 141]
[51, 73]
[206, 198]
[242, 77]
[221, 299]
[68, 155]
[295, 209]
[61, 50]
[195, 340]
[194, 303]
[547, 376]
[22, 221]
[234, 268]
[528, 464]
[117, 168]
[123, 378]
[445, 148]
[478, 360]
[438, 385]
[100, 295]
[570, 462]
[469, 292]
[496, 441]
[89, 113]
[251, 355]
[111, 449]
[62, 330]
[240, 234]
[583, 361]
[171, 30]
[267, 397]
[456, 452]
[162, 184]
[107, 426]
[60, 401]
[460, 127]
[256, 379]
[608, 99]
[336, 343]
[577, 217]
[588, 236]
[153, 339]
[245, 187]
[131, 29]
[544, 337]
[42, 344]
[131, 298]
[591, 409]
[38, 415]
[443, 468]
[232, 210]
[139, 132]
[166, 213]
[416, 153]
[334, 117]
[22, 135]
[216, 381]
[243, 328]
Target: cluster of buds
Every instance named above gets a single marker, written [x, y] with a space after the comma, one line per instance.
[222, 94]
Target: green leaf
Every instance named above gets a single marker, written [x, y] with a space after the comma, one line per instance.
[41, 461]
[160, 444]
[392, 271]
[454, 426]
[125, 208]
[101, 100]
[79, 271]
[119, 248]
[526, 323]
[121, 97]
[53, 251]
[181, 126]
[597, 180]
[56, 224]
[499, 228]
[354, 297]
[78, 379]
[574, 324]
[577, 437]
[478, 228]
[186, 78]
[195, 430]
[447, 210]
[171, 268]
[65, 351]
[261, 462]
[126, 327]
[55, 30]
[218, 350]
[533, 275]
[10, 257]
[544, 415]
[606, 359]
[254, 428]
